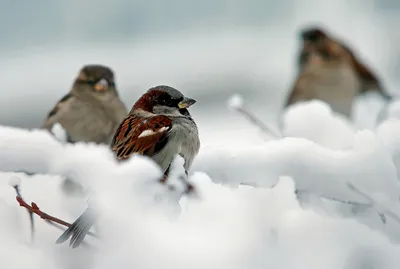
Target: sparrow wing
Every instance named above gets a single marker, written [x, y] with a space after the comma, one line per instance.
[145, 136]
[370, 82]
[302, 59]
[298, 91]
[58, 111]
[54, 114]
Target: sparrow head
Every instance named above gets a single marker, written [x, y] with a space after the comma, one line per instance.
[96, 81]
[313, 35]
[164, 100]
[319, 48]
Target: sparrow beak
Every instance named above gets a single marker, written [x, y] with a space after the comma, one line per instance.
[186, 102]
[101, 86]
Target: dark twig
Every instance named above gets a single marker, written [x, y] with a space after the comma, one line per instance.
[35, 209]
[236, 103]
[16, 187]
[346, 202]
[381, 216]
[353, 203]
[253, 119]
[389, 213]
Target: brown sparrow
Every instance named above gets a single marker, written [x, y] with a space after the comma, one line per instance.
[329, 71]
[92, 110]
[159, 126]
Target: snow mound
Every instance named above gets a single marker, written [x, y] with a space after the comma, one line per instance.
[254, 206]
[320, 125]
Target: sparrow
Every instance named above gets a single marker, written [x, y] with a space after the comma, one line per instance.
[92, 110]
[329, 71]
[159, 126]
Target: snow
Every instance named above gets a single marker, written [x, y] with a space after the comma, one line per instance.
[14, 181]
[235, 102]
[59, 132]
[393, 110]
[257, 225]
[322, 123]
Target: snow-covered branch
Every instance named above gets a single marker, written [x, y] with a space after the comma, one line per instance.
[223, 221]
[236, 103]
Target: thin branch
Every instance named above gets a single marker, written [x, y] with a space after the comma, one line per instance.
[35, 209]
[370, 205]
[366, 196]
[16, 187]
[253, 119]
[297, 192]
[346, 202]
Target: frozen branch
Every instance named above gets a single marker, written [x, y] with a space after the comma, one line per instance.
[14, 182]
[33, 208]
[236, 103]
[389, 213]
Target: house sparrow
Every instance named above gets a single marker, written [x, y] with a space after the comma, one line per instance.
[329, 71]
[92, 110]
[159, 126]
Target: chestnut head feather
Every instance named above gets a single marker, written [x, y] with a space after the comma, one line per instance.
[319, 47]
[164, 100]
[95, 81]
[313, 34]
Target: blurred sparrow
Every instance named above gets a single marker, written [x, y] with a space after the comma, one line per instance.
[329, 71]
[92, 110]
[159, 126]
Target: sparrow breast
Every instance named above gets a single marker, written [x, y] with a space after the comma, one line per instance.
[183, 140]
[335, 85]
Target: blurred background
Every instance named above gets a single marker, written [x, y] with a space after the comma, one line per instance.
[208, 49]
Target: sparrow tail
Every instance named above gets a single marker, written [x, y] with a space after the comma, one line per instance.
[384, 112]
[386, 96]
[79, 228]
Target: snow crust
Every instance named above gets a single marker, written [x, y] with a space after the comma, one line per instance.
[245, 213]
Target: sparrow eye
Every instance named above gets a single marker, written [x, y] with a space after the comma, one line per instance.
[91, 82]
[168, 101]
[313, 38]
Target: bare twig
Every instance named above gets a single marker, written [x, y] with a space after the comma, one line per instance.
[373, 202]
[236, 103]
[16, 187]
[353, 203]
[346, 202]
[35, 209]
[297, 192]
[253, 119]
